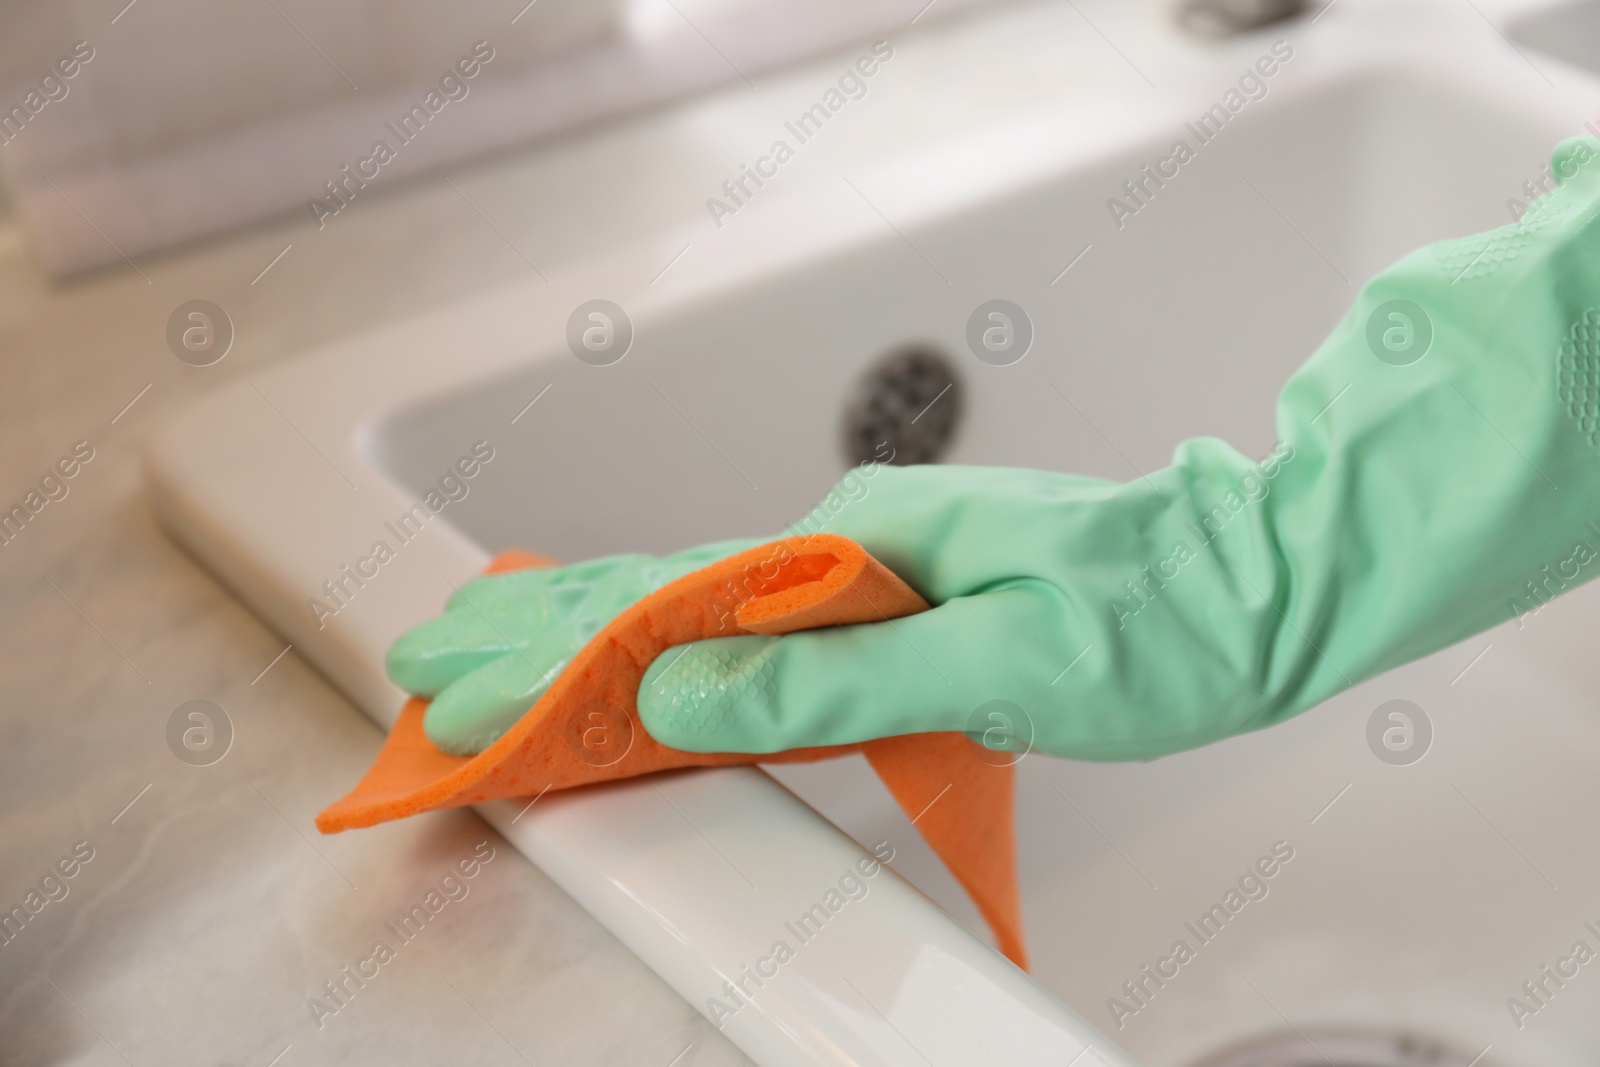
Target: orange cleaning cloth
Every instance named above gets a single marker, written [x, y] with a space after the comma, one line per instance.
[584, 729]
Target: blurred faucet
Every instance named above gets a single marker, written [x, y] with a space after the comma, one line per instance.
[1224, 18]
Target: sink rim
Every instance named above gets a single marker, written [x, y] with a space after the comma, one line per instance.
[223, 498]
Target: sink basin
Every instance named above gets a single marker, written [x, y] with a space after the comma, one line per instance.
[1569, 32]
[723, 419]
[1418, 898]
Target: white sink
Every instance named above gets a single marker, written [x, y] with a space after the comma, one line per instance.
[1415, 904]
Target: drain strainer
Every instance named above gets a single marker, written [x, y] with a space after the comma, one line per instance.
[906, 406]
[1342, 1049]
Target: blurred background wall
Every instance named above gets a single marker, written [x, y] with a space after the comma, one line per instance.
[128, 126]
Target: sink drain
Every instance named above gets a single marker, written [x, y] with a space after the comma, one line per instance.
[907, 406]
[1341, 1050]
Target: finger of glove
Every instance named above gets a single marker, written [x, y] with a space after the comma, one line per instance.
[470, 713]
[846, 684]
[497, 614]
[492, 616]
[439, 652]
[1575, 163]
[505, 592]
[588, 595]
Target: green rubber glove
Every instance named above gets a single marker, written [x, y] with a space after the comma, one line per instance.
[504, 638]
[1437, 473]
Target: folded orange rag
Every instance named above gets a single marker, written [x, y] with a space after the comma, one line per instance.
[583, 729]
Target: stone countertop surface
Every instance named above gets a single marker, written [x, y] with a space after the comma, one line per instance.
[211, 913]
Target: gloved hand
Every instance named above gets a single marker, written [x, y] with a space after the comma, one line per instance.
[1437, 473]
[503, 639]
[1438, 465]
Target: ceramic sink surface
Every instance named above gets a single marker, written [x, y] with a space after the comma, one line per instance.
[1418, 899]
[1568, 31]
